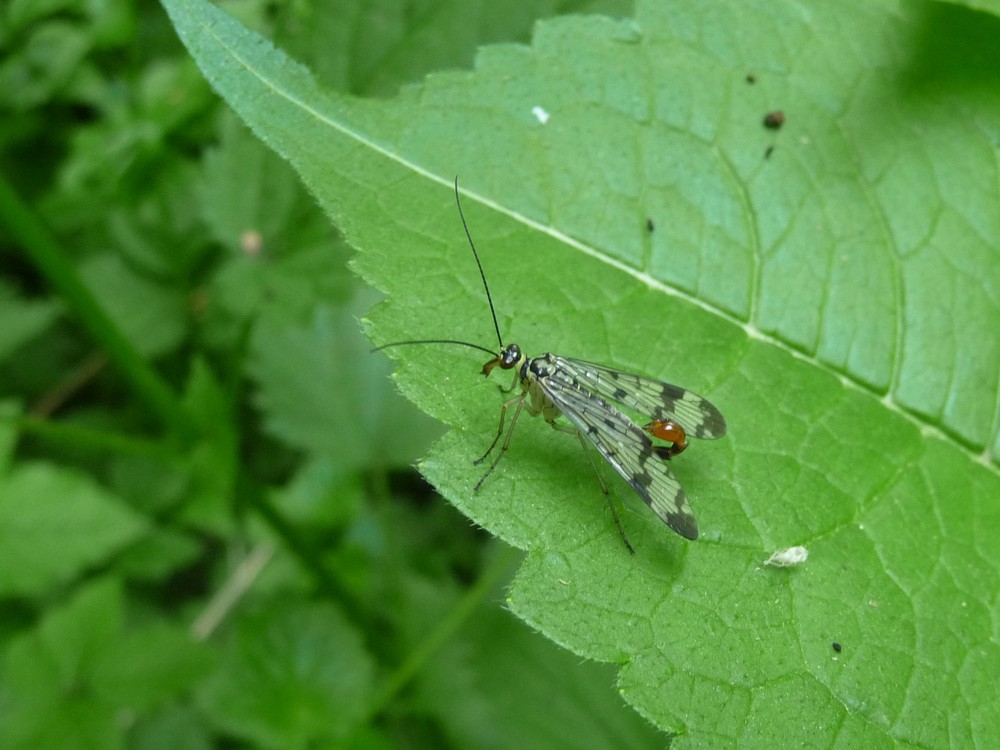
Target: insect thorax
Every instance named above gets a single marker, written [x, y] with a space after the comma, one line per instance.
[539, 367]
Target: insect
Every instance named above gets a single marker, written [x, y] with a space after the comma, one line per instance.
[554, 386]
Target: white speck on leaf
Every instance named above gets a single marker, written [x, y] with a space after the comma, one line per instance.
[788, 557]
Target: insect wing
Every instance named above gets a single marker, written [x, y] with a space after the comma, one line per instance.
[623, 444]
[650, 398]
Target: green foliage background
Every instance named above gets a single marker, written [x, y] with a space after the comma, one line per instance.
[209, 528]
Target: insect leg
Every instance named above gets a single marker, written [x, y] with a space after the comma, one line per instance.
[604, 487]
[503, 414]
[607, 494]
[513, 385]
[506, 442]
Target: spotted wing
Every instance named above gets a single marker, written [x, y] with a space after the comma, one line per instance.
[623, 444]
[650, 398]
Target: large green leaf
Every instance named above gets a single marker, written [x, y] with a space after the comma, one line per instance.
[836, 296]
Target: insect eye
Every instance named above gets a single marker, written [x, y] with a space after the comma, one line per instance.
[510, 356]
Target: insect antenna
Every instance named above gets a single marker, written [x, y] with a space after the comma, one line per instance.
[434, 341]
[489, 298]
[482, 275]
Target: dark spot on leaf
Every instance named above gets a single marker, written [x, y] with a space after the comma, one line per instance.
[774, 120]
